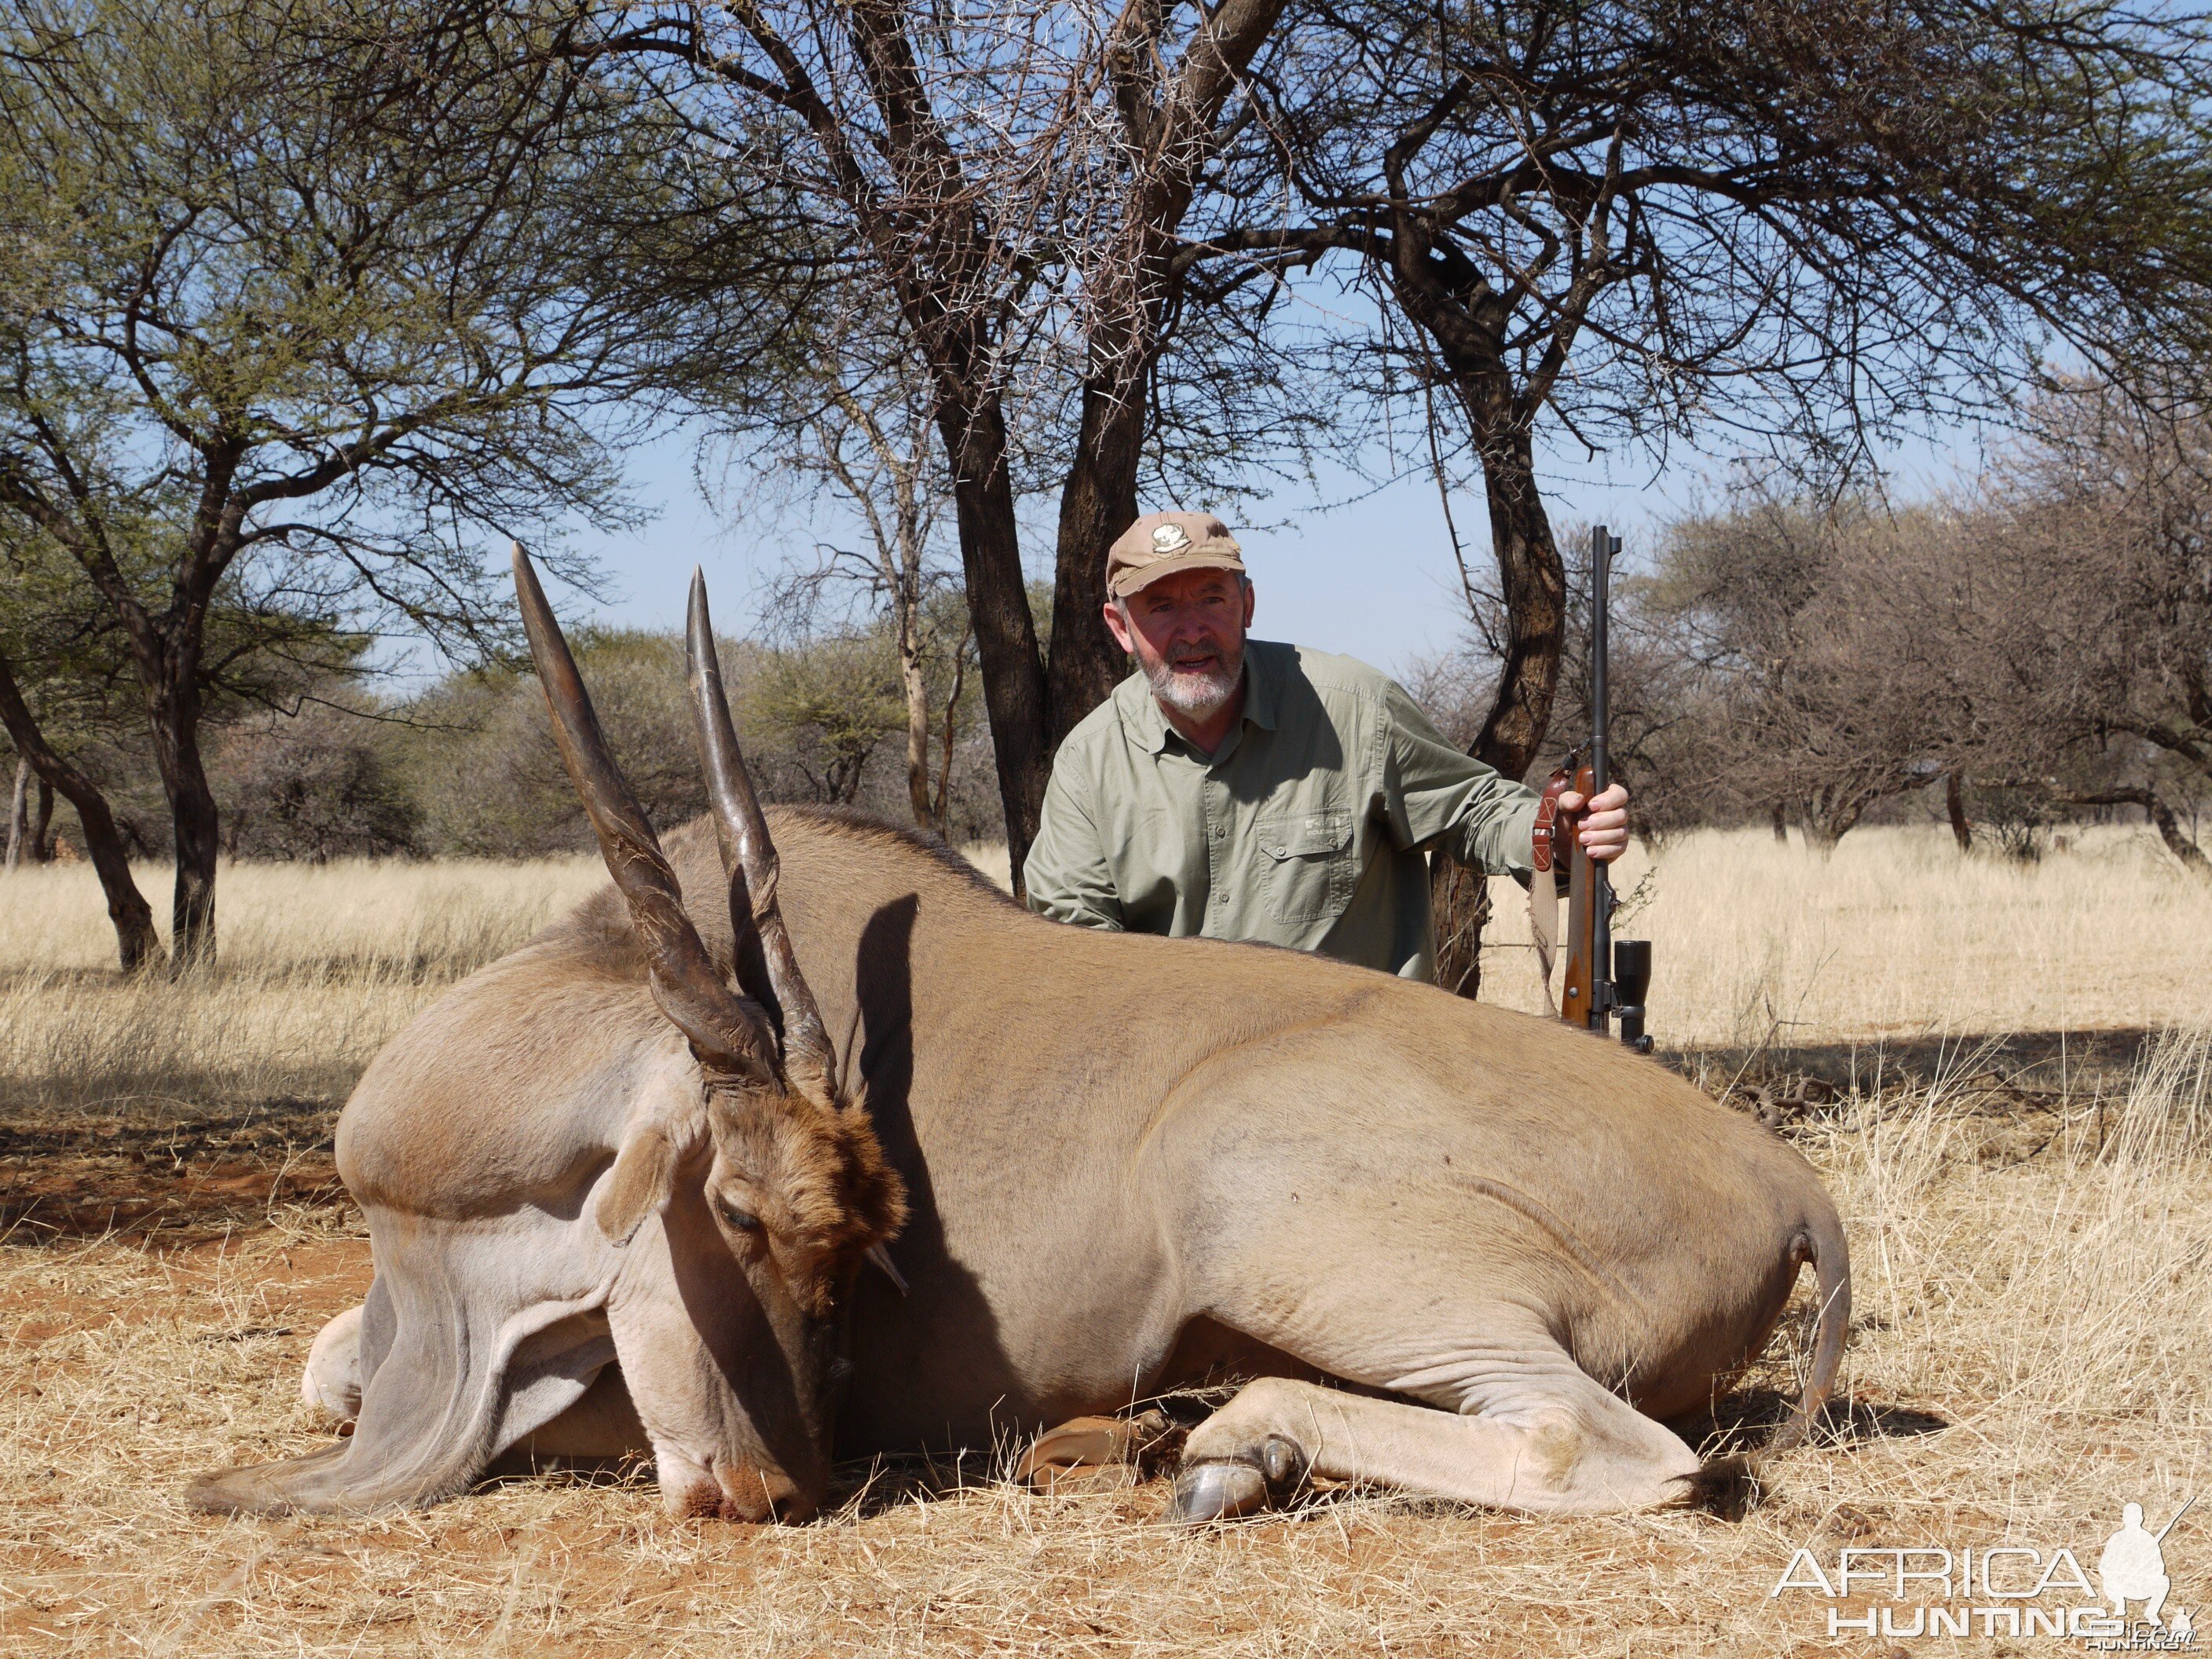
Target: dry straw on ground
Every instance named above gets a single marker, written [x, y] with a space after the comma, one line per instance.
[317, 967]
[2028, 1353]
[1891, 935]
[1896, 935]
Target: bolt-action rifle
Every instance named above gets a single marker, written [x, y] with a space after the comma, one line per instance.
[1605, 979]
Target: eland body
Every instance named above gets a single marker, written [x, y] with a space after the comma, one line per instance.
[1104, 1164]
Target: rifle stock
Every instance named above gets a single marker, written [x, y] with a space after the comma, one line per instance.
[1578, 992]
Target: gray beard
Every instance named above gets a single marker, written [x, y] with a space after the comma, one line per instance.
[1197, 695]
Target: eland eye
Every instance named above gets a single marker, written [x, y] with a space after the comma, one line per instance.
[744, 1220]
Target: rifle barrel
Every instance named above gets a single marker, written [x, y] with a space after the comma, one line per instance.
[1601, 550]
[2176, 1521]
[1602, 547]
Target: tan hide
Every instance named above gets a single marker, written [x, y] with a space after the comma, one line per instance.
[1132, 1162]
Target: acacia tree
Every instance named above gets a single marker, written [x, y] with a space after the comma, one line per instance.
[861, 433]
[1015, 178]
[1648, 222]
[68, 694]
[2093, 626]
[310, 299]
[1837, 645]
[60, 667]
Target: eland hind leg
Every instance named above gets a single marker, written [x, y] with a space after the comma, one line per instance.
[1541, 1437]
[1483, 1404]
[1478, 1305]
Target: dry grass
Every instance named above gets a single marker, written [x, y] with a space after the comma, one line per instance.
[2030, 1264]
[155, 1103]
[317, 967]
[1893, 935]
[1897, 935]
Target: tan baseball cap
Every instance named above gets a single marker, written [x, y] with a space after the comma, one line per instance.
[1161, 544]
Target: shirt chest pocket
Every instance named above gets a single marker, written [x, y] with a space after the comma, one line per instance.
[1306, 864]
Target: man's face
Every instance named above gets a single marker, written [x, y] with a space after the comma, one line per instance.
[1187, 632]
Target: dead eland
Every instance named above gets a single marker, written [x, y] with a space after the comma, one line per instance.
[614, 1202]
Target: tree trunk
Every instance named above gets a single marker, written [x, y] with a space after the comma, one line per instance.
[1449, 305]
[1534, 582]
[1459, 899]
[1098, 503]
[1829, 816]
[137, 945]
[18, 819]
[1014, 691]
[42, 825]
[195, 826]
[1834, 811]
[940, 805]
[1781, 817]
[917, 726]
[2184, 850]
[1954, 808]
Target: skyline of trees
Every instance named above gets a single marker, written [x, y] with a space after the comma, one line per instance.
[309, 309]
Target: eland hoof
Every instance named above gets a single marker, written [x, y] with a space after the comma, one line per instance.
[1223, 1489]
[1216, 1491]
[1128, 1448]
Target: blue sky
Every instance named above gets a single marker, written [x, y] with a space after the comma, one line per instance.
[1365, 572]
[1340, 565]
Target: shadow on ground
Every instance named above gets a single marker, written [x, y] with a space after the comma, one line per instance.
[181, 1170]
[2048, 1064]
[1728, 1437]
[1742, 1422]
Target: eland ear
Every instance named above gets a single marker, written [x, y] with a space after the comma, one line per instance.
[640, 1183]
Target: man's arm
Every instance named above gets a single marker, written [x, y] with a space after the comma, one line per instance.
[1066, 876]
[1440, 795]
[1436, 795]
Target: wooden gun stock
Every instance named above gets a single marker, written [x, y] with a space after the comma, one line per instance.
[1579, 991]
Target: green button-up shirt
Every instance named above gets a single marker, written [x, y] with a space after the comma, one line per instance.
[1307, 829]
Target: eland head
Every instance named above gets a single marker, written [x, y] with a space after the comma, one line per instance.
[786, 1171]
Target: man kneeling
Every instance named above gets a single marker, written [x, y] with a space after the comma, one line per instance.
[1243, 789]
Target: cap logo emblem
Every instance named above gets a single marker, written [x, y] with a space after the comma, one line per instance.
[1170, 539]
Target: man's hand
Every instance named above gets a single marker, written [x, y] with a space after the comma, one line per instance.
[1604, 833]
